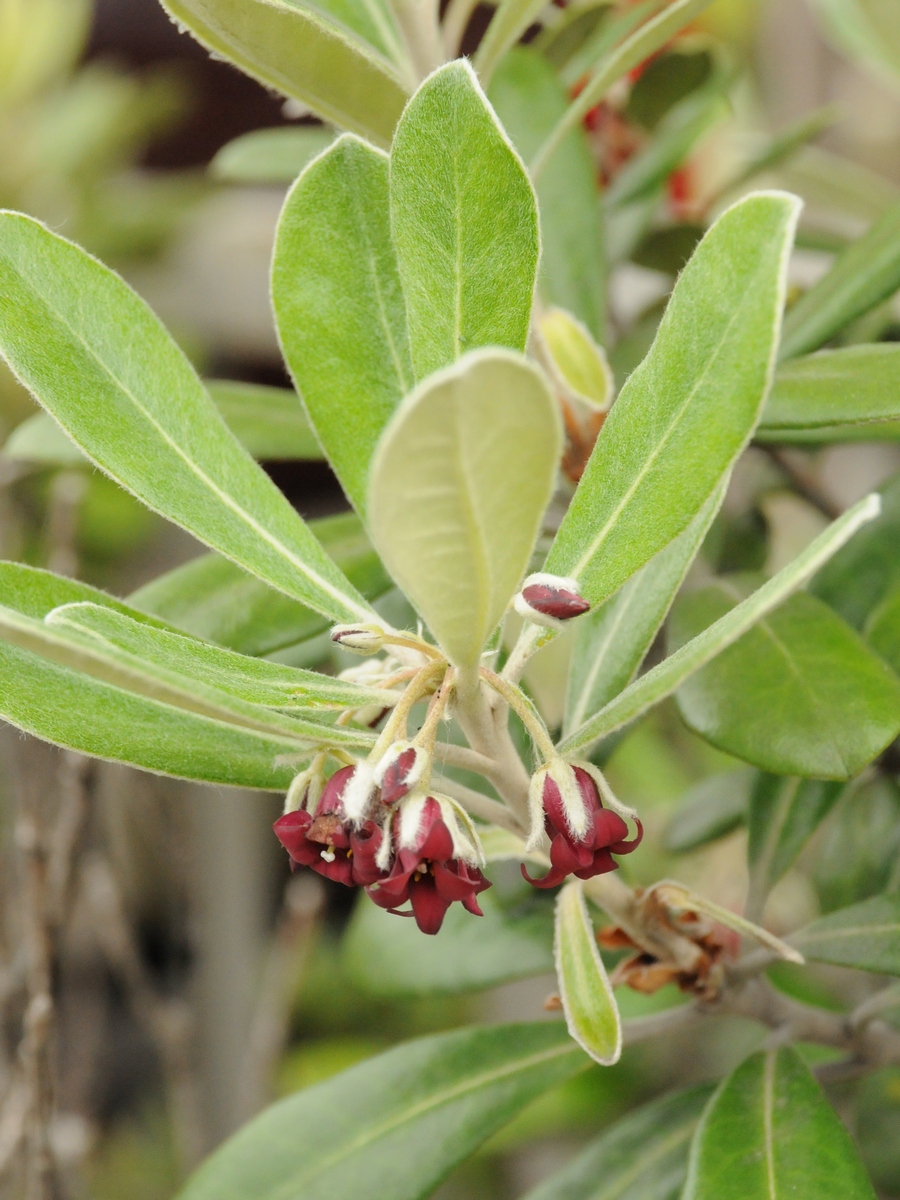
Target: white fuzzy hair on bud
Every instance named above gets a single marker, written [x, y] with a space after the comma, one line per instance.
[359, 639]
[417, 770]
[358, 793]
[557, 583]
[536, 809]
[466, 845]
[305, 791]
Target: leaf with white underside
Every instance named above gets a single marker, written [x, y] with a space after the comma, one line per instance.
[666, 678]
[339, 305]
[643, 1156]
[592, 1016]
[769, 1134]
[214, 599]
[464, 221]
[613, 639]
[689, 409]
[293, 48]
[101, 363]
[460, 482]
[865, 936]
[394, 1126]
[270, 155]
[835, 395]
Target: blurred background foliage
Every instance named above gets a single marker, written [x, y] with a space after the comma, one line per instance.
[196, 981]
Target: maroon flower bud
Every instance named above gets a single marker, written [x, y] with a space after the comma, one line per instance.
[400, 770]
[325, 841]
[549, 599]
[433, 867]
[589, 853]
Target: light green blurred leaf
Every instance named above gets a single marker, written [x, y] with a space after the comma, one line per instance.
[643, 1156]
[576, 358]
[388, 956]
[710, 810]
[40, 41]
[269, 422]
[289, 46]
[530, 100]
[592, 1015]
[661, 681]
[866, 936]
[867, 30]
[769, 1133]
[339, 305]
[40, 439]
[392, 1127]
[459, 485]
[270, 155]
[99, 360]
[799, 694]
[215, 600]
[687, 412]
[464, 222]
[866, 273]
[510, 20]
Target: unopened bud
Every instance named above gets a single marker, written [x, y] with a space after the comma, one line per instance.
[402, 767]
[359, 639]
[550, 599]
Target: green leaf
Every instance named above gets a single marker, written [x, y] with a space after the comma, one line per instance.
[669, 675]
[834, 393]
[339, 305]
[286, 45]
[177, 657]
[530, 100]
[612, 640]
[592, 1015]
[799, 694]
[270, 155]
[39, 439]
[866, 273]
[465, 223]
[269, 422]
[34, 592]
[865, 571]
[857, 854]
[866, 936]
[688, 411]
[783, 815]
[769, 1133]
[867, 30]
[460, 483]
[85, 344]
[710, 810]
[389, 957]
[215, 600]
[510, 20]
[609, 33]
[643, 1156]
[578, 362]
[883, 629]
[392, 1127]
[641, 45]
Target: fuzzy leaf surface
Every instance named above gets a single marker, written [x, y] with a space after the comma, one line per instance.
[768, 1134]
[465, 223]
[460, 483]
[339, 305]
[392, 1127]
[592, 1015]
[85, 344]
[866, 936]
[291, 47]
[689, 409]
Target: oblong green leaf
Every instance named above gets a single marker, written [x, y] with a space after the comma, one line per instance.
[866, 936]
[392, 1127]
[687, 412]
[769, 1134]
[215, 600]
[782, 816]
[529, 99]
[465, 223]
[288, 46]
[800, 694]
[339, 305]
[856, 387]
[459, 485]
[592, 1015]
[39, 439]
[867, 30]
[642, 1157]
[389, 957]
[866, 273]
[510, 20]
[35, 592]
[710, 810]
[99, 360]
[270, 155]
[669, 675]
[883, 629]
[269, 422]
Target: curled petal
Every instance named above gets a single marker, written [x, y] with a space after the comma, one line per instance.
[428, 905]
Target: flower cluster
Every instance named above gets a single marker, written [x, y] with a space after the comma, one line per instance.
[423, 850]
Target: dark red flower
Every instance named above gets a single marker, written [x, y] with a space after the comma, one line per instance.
[557, 602]
[325, 841]
[426, 873]
[400, 775]
[588, 855]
